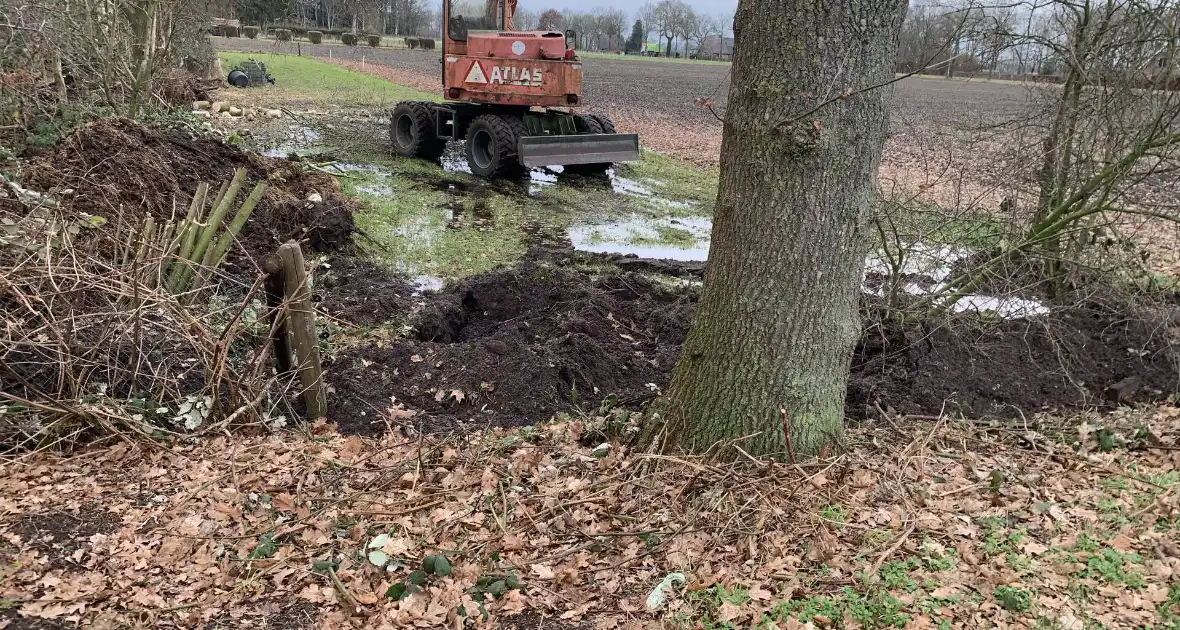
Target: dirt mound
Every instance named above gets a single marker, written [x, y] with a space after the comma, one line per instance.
[1011, 368]
[361, 293]
[513, 347]
[123, 171]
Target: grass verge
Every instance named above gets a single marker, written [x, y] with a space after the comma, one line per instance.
[307, 80]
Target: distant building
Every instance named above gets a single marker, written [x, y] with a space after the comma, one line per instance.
[1161, 65]
[717, 48]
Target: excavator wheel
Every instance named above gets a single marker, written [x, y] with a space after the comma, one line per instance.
[604, 122]
[590, 124]
[411, 131]
[491, 145]
[587, 124]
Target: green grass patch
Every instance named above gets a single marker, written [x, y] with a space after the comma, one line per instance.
[1110, 566]
[674, 180]
[1012, 599]
[877, 609]
[317, 80]
[419, 230]
[1169, 611]
[999, 538]
[833, 514]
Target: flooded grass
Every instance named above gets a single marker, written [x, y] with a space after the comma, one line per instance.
[439, 221]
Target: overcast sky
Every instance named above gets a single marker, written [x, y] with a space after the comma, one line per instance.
[630, 7]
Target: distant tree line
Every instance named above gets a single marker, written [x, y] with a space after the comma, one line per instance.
[1020, 38]
[385, 17]
[668, 27]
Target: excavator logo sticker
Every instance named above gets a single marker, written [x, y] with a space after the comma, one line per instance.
[505, 75]
[475, 75]
[516, 76]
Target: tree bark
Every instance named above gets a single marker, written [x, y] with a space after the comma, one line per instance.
[777, 319]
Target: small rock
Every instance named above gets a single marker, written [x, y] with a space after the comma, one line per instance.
[202, 104]
[274, 113]
[226, 115]
[235, 111]
[315, 197]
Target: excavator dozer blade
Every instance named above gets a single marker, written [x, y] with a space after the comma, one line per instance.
[598, 148]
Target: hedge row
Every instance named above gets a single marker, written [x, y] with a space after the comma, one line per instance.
[425, 43]
[286, 33]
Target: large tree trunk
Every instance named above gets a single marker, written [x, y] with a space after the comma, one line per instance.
[777, 319]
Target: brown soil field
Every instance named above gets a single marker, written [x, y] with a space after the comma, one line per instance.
[658, 99]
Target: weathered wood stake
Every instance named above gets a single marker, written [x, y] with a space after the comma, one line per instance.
[300, 322]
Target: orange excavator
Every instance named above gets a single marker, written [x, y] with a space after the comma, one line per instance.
[510, 94]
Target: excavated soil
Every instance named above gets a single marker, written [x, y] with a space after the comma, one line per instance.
[515, 346]
[124, 171]
[361, 293]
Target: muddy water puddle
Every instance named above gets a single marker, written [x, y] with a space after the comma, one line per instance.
[296, 141]
[923, 270]
[668, 238]
[439, 221]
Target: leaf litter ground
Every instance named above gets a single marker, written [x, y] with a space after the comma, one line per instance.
[933, 524]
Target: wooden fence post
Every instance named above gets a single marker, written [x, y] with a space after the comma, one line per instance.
[280, 342]
[300, 323]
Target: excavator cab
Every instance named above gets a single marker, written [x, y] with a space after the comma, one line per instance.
[509, 94]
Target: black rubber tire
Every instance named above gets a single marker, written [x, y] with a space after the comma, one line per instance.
[411, 131]
[491, 145]
[587, 124]
[584, 125]
[605, 123]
